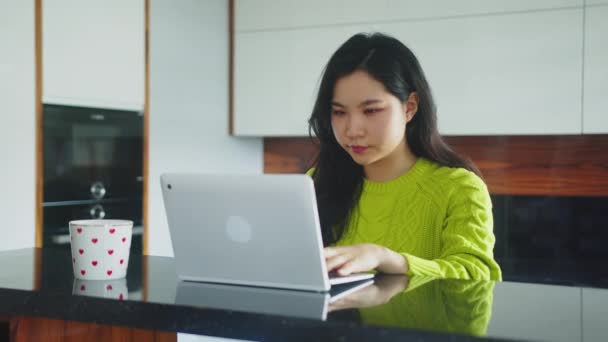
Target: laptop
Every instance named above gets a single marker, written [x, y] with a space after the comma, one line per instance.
[264, 300]
[259, 230]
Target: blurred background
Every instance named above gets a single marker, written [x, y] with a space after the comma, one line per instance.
[98, 98]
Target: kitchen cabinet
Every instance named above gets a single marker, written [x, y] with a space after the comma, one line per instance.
[595, 105]
[507, 74]
[282, 14]
[94, 53]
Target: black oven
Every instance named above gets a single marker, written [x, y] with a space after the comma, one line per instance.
[93, 167]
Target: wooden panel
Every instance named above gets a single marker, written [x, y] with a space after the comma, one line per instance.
[146, 142]
[37, 285]
[506, 75]
[595, 102]
[289, 155]
[38, 99]
[540, 165]
[253, 15]
[231, 67]
[518, 165]
[26, 329]
[32, 329]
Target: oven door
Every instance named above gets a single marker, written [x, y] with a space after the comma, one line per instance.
[91, 153]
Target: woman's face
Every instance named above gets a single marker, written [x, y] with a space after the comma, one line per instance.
[368, 121]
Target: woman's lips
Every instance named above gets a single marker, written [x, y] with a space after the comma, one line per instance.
[358, 149]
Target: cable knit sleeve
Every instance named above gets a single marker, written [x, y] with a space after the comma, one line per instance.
[467, 238]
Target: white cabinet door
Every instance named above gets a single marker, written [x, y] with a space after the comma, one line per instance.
[595, 107]
[282, 14]
[500, 74]
[93, 53]
[511, 74]
[18, 124]
[595, 311]
[275, 79]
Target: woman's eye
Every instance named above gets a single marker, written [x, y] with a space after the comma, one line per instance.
[372, 110]
[337, 112]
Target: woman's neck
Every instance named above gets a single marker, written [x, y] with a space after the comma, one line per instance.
[392, 166]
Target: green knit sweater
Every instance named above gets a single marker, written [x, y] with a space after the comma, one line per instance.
[454, 306]
[439, 218]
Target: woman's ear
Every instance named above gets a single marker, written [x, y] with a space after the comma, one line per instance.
[411, 106]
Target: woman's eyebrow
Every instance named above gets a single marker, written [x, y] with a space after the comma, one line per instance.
[364, 103]
[368, 102]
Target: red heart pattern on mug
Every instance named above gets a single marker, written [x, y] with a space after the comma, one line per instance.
[91, 263]
[82, 287]
[109, 287]
[120, 297]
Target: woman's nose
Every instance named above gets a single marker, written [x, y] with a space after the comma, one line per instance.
[354, 126]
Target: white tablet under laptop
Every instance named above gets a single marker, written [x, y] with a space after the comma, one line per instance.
[260, 230]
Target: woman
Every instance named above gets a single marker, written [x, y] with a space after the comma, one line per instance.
[392, 196]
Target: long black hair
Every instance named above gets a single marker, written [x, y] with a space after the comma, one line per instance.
[338, 179]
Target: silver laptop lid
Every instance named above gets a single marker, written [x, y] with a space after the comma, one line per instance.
[258, 230]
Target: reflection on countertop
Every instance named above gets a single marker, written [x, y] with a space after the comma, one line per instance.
[393, 307]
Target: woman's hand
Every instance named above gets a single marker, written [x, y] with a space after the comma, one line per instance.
[364, 257]
[380, 292]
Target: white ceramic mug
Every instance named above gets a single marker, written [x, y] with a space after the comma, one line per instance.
[100, 248]
[114, 289]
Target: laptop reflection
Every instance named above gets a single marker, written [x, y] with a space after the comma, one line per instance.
[293, 303]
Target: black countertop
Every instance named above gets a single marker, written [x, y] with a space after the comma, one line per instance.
[39, 282]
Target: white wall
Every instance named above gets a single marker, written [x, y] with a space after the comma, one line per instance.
[17, 128]
[189, 103]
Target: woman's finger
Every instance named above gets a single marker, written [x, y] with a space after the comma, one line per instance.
[335, 262]
[349, 267]
[330, 252]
